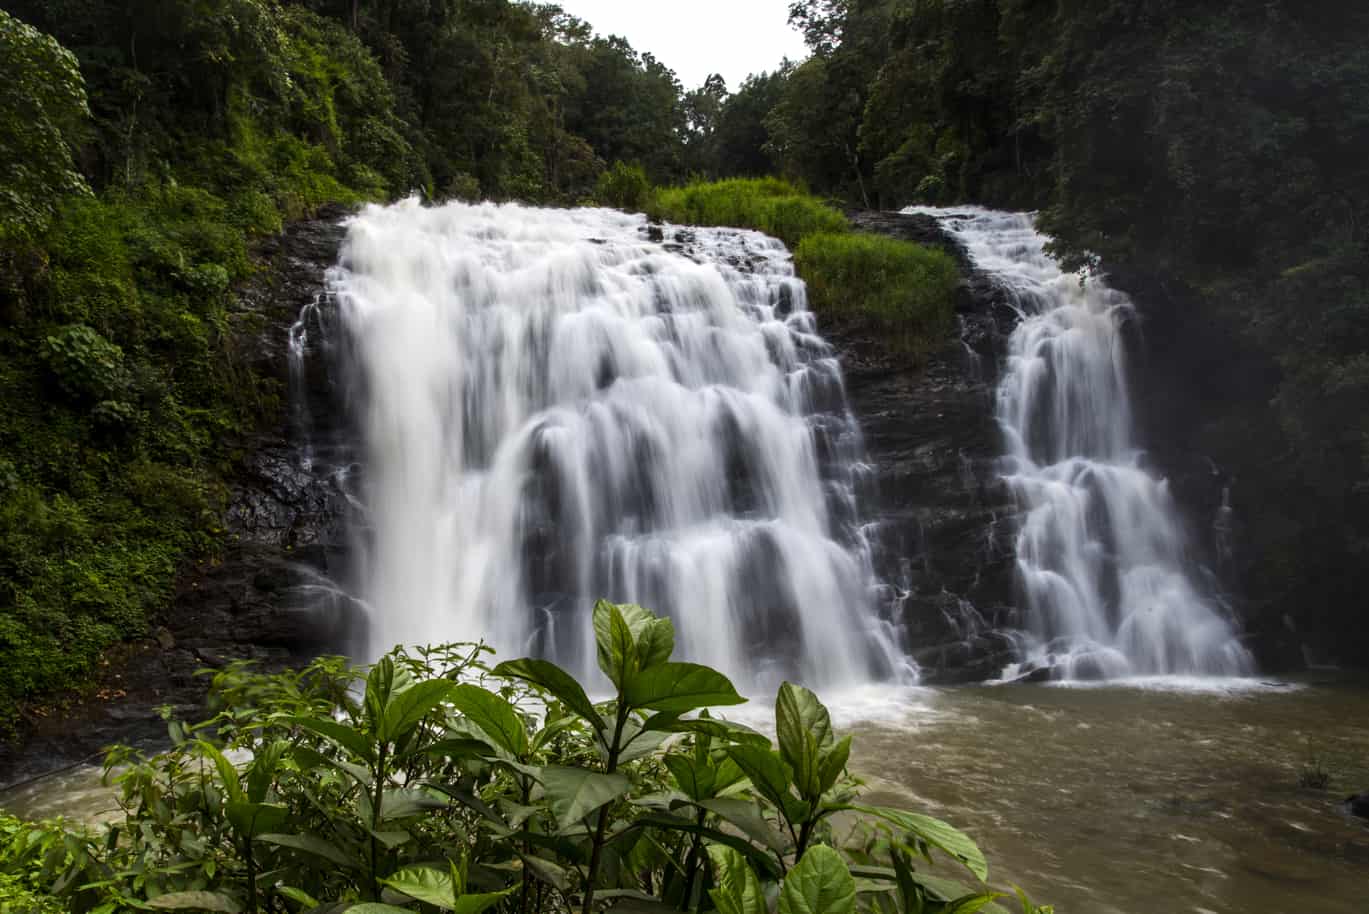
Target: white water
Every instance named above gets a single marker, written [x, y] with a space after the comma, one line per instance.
[555, 409]
[1102, 554]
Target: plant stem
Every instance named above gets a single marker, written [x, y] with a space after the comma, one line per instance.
[692, 864]
[593, 875]
[376, 800]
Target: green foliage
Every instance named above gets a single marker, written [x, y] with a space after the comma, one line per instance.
[907, 288]
[432, 781]
[770, 205]
[42, 109]
[623, 186]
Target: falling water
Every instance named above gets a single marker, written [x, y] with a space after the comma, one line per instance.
[554, 409]
[1102, 554]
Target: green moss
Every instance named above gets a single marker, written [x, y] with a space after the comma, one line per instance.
[907, 288]
[770, 205]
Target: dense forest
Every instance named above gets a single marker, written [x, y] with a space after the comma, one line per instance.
[1211, 155]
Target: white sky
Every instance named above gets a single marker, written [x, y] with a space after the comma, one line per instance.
[698, 37]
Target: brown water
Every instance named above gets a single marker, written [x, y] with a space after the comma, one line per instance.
[1133, 801]
[1110, 800]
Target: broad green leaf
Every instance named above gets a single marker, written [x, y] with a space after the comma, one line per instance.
[408, 801]
[820, 884]
[308, 759]
[655, 643]
[694, 779]
[768, 772]
[496, 717]
[574, 793]
[832, 762]
[948, 889]
[383, 682]
[311, 844]
[196, 901]
[426, 884]
[763, 861]
[405, 709]
[551, 728]
[934, 832]
[972, 904]
[549, 676]
[263, 769]
[731, 731]
[299, 896]
[354, 741]
[454, 748]
[375, 907]
[738, 890]
[550, 873]
[640, 744]
[803, 728]
[476, 904]
[615, 644]
[228, 774]
[252, 819]
[744, 815]
[680, 687]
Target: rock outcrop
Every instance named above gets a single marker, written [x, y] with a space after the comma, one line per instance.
[944, 537]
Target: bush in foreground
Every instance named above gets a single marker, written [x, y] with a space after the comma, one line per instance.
[433, 784]
[907, 288]
[769, 205]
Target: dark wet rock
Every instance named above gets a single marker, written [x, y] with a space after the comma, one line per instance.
[1358, 805]
[943, 536]
[655, 233]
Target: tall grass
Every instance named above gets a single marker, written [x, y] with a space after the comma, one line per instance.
[906, 288]
[770, 205]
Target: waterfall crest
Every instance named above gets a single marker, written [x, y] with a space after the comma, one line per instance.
[553, 409]
[1102, 555]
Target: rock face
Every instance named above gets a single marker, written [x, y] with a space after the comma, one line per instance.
[268, 597]
[944, 539]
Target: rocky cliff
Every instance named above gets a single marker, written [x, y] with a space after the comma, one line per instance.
[944, 541]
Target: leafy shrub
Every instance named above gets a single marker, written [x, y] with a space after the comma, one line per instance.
[770, 205]
[42, 107]
[464, 186]
[623, 186]
[86, 365]
[434, 781]
[907, 288]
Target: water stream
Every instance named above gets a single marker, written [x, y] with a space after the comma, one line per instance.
[1106, 569]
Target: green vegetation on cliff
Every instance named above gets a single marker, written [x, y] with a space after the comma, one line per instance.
[769, 205]
[906, 289]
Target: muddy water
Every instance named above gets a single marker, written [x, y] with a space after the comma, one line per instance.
[1141, 800]
[1177, 798]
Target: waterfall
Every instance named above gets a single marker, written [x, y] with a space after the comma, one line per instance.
[554, 408]
[1103, 557]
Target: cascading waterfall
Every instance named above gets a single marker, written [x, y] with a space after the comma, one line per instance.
[554, 409]
[1102, 554]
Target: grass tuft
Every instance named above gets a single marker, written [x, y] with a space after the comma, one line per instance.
[906, 288]
[769, 205]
